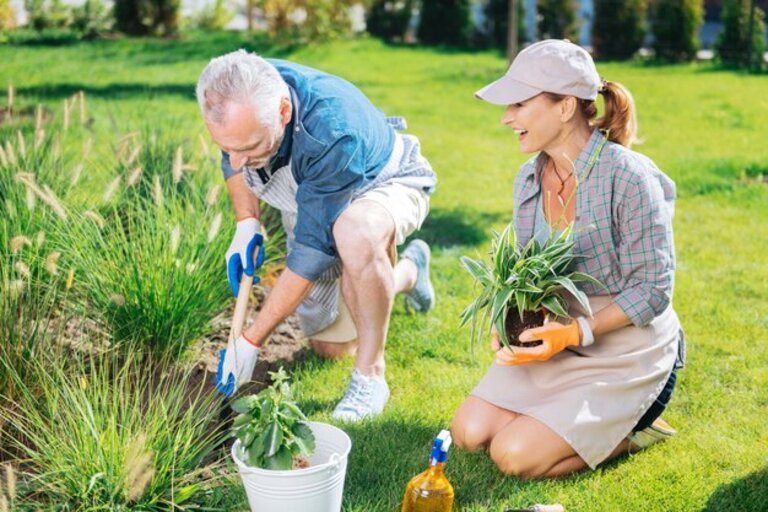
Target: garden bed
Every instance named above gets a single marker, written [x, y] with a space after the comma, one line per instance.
[286, 346]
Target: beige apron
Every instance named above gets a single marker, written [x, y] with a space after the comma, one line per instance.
[592, 397]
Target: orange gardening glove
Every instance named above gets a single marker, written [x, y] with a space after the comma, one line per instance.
[555, 338]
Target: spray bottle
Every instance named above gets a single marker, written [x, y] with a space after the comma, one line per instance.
[431, 491]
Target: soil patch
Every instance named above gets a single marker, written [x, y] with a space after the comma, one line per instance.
[515, 327]
[286, 346]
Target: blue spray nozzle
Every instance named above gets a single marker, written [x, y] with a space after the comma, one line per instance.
[440, 447]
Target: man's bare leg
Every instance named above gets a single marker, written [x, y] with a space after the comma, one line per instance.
[363, 234]
[405, 277]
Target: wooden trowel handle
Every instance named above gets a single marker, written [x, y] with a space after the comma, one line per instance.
[241, 306]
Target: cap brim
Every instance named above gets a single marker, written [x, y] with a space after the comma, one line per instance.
[506, 91]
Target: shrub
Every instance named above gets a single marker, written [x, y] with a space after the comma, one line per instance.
[676, 25]
[557, 19]
[293, 21]
[109, 434]
[618, 27]
[389, 19]
[45, 14]
[445, 22]
[7, 15]
[522, 280]
[327, 19]
[497, 22]
[91, 19]
[214, 16]
[147, 17]
[732, 45]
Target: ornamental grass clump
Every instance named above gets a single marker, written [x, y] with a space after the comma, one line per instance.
[29, 298]
[33, 187]
[148, 160]
[151, 272]
[522, 283]
[150, 254]
[114, 433]
[272, 430]
[33, 279]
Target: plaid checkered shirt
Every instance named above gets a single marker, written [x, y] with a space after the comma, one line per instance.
[623, 224]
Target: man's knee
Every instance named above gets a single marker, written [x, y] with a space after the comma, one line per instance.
[331, 350]
[363, 232]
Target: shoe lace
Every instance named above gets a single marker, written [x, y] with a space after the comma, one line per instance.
[358, 396]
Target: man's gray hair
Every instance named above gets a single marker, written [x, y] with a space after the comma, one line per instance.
[241, 77]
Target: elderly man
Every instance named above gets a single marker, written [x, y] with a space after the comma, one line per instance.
[349, 189]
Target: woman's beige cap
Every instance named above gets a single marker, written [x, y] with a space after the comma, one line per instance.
[552, 65]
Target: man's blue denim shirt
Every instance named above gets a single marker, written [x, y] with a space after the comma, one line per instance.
[337, 142]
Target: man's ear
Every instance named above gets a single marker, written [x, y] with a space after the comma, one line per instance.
[568, 108]
[286, 110]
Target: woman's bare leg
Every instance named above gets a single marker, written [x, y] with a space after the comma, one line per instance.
[476, 422]
[528, 448]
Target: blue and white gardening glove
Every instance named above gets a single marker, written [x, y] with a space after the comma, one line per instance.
[236, 364]
[245, 253]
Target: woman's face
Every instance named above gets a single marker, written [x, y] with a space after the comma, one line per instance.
[537, 122]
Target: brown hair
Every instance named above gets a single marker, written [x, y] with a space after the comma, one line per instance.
[619, 119]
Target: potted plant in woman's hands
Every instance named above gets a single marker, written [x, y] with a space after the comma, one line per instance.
[522, 284]
[286, 462]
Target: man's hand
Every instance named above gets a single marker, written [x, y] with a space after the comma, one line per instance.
[236, 365]
[555, 338]
[245, 253]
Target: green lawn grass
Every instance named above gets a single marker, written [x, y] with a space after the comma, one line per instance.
[703, 126]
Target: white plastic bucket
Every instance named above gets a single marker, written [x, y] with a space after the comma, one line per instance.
[318, 488]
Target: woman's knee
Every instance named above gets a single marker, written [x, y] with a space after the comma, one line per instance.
[468, 431]
[516, 457]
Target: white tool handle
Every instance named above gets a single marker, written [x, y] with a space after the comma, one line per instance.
[548, 508]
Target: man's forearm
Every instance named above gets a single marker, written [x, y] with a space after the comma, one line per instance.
[290, 289]
[244, 202]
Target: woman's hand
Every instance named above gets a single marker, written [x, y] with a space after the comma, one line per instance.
[503, 355]
[495, 343]
[555, 338]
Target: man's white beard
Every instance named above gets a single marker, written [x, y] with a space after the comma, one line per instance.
[262, 162]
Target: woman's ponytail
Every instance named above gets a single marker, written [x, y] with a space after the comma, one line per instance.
[619, 120]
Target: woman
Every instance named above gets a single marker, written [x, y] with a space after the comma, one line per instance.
[594, 388]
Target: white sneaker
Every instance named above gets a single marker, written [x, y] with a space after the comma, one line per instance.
[365, 398]
[659, 431]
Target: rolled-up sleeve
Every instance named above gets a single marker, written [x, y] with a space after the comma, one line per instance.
[226, 167]
[645, 250]
[325, 190]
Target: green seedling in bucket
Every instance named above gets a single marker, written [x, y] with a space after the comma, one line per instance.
[273, 432]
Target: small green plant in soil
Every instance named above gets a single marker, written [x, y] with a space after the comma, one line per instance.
[272, 430]
[521, 283]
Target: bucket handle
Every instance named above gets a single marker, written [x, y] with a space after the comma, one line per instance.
[334, 463]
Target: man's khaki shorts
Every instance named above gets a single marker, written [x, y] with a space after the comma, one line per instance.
[408, 208]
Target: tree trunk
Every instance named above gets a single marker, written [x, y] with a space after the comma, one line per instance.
[249, 14]
[512, 31]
